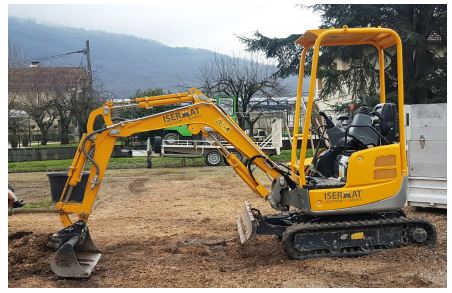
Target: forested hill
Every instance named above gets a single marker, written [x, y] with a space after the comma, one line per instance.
[122, 63]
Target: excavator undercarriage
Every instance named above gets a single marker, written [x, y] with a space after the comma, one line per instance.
[336, 236]
[346, 200]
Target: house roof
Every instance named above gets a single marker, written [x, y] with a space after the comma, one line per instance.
[21, 79]
[345, 36]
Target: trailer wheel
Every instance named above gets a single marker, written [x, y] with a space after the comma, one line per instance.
[157, 146]
[213, 158]
[237, 154]
[171, 138]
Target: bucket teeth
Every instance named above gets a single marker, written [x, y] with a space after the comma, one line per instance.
[76, 254]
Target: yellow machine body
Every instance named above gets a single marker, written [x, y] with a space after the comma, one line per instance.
[375, 180]
[373, 175]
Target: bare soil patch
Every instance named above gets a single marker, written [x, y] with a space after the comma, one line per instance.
[176, 228]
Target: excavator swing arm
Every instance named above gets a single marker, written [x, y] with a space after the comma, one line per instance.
[202, 116]
[76, 253]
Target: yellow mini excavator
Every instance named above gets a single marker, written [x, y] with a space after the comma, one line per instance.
[346, 200]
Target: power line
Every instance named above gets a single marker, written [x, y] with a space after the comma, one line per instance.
[49, 57]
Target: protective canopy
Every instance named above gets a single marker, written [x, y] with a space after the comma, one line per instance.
[381, 37]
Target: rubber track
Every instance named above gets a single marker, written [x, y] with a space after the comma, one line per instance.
[325, 226]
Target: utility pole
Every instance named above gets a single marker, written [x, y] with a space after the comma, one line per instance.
[88, 61]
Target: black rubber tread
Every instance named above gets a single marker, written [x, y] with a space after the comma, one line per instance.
[377, 220]
[157, 145]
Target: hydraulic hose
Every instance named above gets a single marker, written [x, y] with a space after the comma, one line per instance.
[286, 175]
[85, 152]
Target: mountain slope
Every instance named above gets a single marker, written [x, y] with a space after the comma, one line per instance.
[122, 63]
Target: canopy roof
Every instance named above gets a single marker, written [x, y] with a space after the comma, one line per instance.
[381, 37]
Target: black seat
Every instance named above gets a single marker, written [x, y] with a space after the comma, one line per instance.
[358, 135]
[360, 129]
[368, 128]
[386, 121]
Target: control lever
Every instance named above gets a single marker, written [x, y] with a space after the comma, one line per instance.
[375, 113]
[329, 123]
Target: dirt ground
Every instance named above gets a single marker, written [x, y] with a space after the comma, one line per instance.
[176, 228]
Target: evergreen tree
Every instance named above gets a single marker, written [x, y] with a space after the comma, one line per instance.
[422, 29]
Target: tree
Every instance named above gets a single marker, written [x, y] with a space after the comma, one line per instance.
[62, 105]
[17, 125]
[12, 64]
[69, 98]
[16, 119]
[423, 32]
[40, 109]
[87, 98]
[132, 113]
[35, 97]
[243, 78]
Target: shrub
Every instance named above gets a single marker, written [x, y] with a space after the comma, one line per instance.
[25, 141]
[14, 141]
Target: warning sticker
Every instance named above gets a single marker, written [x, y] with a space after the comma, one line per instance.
[223, 124]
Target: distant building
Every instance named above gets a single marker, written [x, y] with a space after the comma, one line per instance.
[35, 77]
[33, 86]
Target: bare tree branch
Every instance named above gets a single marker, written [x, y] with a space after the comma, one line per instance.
[244, 78]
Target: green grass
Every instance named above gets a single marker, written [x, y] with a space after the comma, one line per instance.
[48, 203]
[124, 163]
[285, 155]
[115, 163]
[35, 145]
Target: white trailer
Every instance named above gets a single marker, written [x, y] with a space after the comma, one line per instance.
[426, 135]
[267, 134]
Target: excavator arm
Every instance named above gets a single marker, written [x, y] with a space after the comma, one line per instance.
[202, 116]
[96, 146]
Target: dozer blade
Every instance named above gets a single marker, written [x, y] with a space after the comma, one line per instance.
[246, 224]
[76, 254]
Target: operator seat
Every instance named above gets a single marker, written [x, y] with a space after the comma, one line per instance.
[387, 123]
[360, 128]
[382, 119]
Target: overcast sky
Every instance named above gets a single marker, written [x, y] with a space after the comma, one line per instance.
[211, 25]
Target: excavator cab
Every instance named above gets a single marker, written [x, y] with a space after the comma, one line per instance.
[369, 140]
[346, 200]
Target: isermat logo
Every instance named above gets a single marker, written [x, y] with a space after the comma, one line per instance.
[181, 116]
[338, 196]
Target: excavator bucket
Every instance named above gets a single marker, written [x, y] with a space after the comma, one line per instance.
[246, 224]
[76, 254]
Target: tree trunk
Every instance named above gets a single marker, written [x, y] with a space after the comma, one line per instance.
[241, 120]
[44, 136]
[64, 130]
[44, 132]
[250, 125]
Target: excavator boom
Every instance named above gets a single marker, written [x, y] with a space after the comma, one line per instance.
[96, 146]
